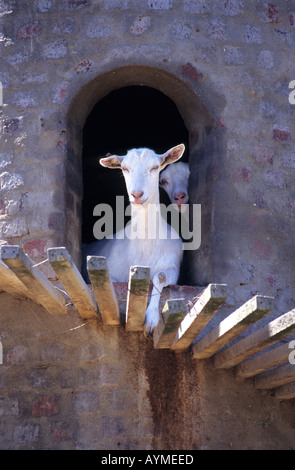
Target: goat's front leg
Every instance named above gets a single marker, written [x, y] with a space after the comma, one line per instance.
[160, 280]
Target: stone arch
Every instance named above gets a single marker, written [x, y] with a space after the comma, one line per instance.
[198, 120]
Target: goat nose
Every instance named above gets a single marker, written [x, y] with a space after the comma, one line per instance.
[137, 194]
[179, 196]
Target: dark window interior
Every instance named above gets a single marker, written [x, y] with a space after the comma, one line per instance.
[129, 117]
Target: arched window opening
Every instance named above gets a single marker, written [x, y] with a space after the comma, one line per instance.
[128, 117]
[141, 106]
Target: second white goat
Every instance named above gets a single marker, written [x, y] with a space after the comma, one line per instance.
[174, 180]
[156, 245]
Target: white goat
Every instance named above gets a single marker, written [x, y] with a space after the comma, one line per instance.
[174, 180]
[162, 252]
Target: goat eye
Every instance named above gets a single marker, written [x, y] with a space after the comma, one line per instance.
[154, 168]
[163, 182]
[125, 169]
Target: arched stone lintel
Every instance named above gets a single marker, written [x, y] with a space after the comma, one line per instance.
[185, 95]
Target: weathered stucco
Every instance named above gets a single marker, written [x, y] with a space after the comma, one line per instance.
[226, 65]
[69, 384]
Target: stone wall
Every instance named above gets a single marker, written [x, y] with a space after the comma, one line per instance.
[227, 66]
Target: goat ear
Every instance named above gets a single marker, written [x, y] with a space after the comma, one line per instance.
[111, 161]
[172, 155]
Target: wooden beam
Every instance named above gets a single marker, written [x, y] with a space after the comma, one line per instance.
[276, 377]
[210, 300]
[266, 336]
[285, 392]
[232, 326]
[170, 318]
[10, 283]
[71, 279]
[264, 361]
[103, 289]
[138, 289]
[36, 282]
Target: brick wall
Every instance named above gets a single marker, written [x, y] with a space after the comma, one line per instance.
[227, 65]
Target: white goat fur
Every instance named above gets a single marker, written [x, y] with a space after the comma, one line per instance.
[141, 169]
[174, 180]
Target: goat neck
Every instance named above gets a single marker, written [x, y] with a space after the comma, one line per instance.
[147, 221]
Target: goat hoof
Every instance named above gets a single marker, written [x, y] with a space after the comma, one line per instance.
[148, 330]
[151, 321]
